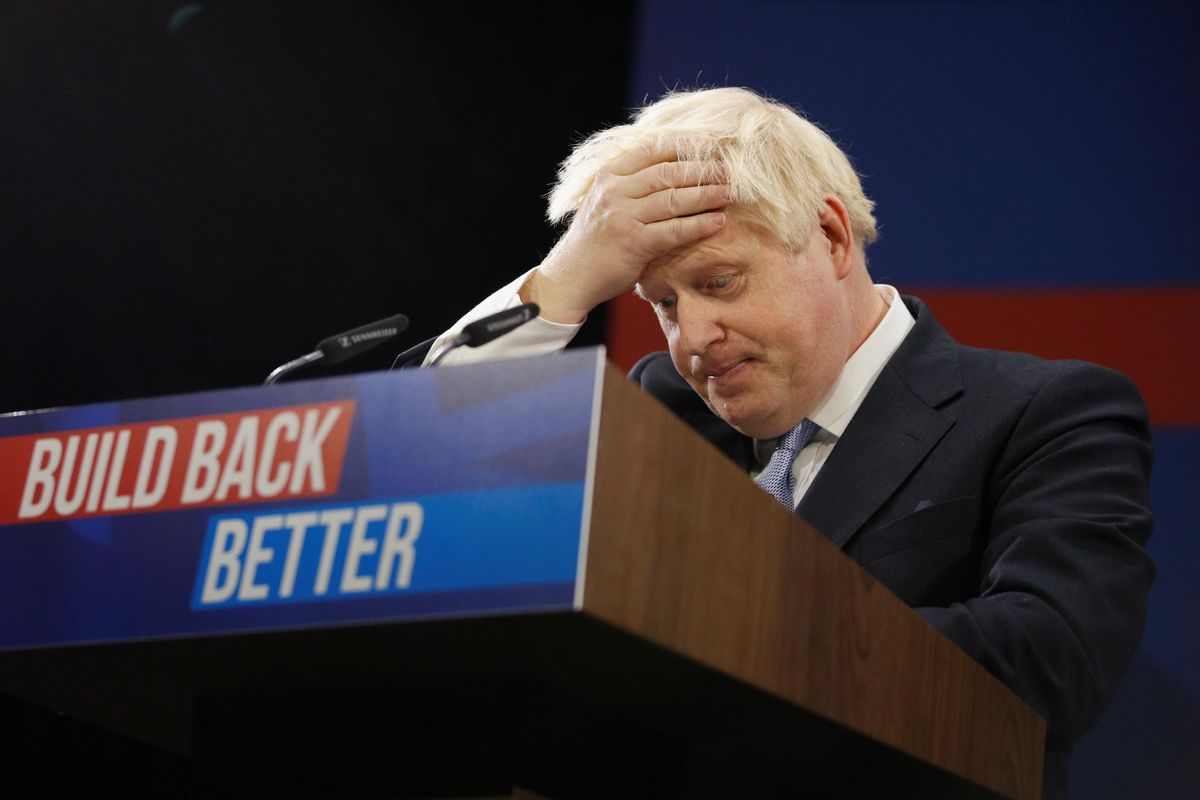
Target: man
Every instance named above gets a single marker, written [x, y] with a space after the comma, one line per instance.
[1002, 496]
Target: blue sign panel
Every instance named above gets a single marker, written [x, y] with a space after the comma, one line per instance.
[422, 493]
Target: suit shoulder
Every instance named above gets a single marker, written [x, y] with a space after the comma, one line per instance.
[1042, 401]
[656, 375]
[654, 362]
[1032, 375]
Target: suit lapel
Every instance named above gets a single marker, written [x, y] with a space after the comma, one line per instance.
[896, 426]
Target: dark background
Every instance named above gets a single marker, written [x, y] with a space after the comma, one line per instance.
[193, 193]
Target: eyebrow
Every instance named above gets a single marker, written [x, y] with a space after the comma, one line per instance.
[704, 269]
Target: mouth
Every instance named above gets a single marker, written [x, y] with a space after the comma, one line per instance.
[724, 374]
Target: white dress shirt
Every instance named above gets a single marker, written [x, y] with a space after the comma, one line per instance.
[541, 337]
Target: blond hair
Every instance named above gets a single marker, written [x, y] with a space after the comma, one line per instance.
[779, 165]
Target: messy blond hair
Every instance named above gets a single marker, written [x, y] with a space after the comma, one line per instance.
[779, 165]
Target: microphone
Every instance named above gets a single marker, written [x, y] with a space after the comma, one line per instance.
[488, 329]
[336, 349]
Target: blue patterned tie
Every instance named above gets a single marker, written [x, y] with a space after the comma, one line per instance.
[776, 479]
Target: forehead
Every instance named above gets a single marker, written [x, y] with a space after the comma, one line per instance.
[739, 244]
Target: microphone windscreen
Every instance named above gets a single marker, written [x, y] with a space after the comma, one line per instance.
[349, 344]
[493, 326]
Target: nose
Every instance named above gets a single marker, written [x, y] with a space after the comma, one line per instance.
[698, 325]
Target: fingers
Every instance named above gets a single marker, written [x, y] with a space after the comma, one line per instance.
[664, 236]
[655, 186]
[673, 175]
[681, 202]
[637, 160]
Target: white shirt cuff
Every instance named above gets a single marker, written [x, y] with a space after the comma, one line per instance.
[538, 337]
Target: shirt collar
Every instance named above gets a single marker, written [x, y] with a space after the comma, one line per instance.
[863, 367]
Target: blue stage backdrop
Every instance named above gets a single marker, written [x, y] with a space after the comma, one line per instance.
[1035, 169]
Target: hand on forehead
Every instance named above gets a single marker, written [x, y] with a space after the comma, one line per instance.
[642, 204]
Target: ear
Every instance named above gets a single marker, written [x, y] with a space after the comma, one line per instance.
[834, 220]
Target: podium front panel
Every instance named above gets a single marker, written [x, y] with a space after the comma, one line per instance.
[379, 497]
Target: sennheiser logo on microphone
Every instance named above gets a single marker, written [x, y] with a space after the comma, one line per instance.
[502, 324]
[356, 338]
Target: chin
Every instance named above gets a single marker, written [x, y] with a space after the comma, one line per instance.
[760, 430]
[754, 425]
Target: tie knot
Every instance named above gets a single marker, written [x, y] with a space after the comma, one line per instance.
[776, 479]
[794, 440]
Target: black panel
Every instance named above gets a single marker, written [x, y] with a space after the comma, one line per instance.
[197, 192]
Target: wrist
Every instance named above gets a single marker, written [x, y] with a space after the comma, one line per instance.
[554, 304]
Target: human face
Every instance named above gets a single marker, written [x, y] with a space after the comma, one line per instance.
[759, 332]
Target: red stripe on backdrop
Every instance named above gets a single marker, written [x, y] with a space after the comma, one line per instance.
[631, 330]
[1141, 332]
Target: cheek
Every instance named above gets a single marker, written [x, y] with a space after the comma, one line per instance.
[672, 346]
[682, 366]
[818, 361]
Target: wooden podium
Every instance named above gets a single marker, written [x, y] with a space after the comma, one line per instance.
[717, 647]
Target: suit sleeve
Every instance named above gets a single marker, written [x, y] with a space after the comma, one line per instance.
[1065, 574]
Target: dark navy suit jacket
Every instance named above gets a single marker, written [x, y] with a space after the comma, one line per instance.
[1004, 497]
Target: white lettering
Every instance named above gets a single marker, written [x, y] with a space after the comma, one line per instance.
[239, 462]
[333, 519]
[309, 458]
[406, 517]
[47, 453]
[112, 500]
[257, 554]
[265, 484]
[224, 561]
[242, 548]
[66, 502]
[145, 495]
[106, 444]
[204, 466]
[298, 523]
[360, 546]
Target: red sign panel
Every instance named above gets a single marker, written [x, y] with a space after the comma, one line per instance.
[253, 456]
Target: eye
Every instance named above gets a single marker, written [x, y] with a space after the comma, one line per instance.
[720, 282]
[665, 304]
